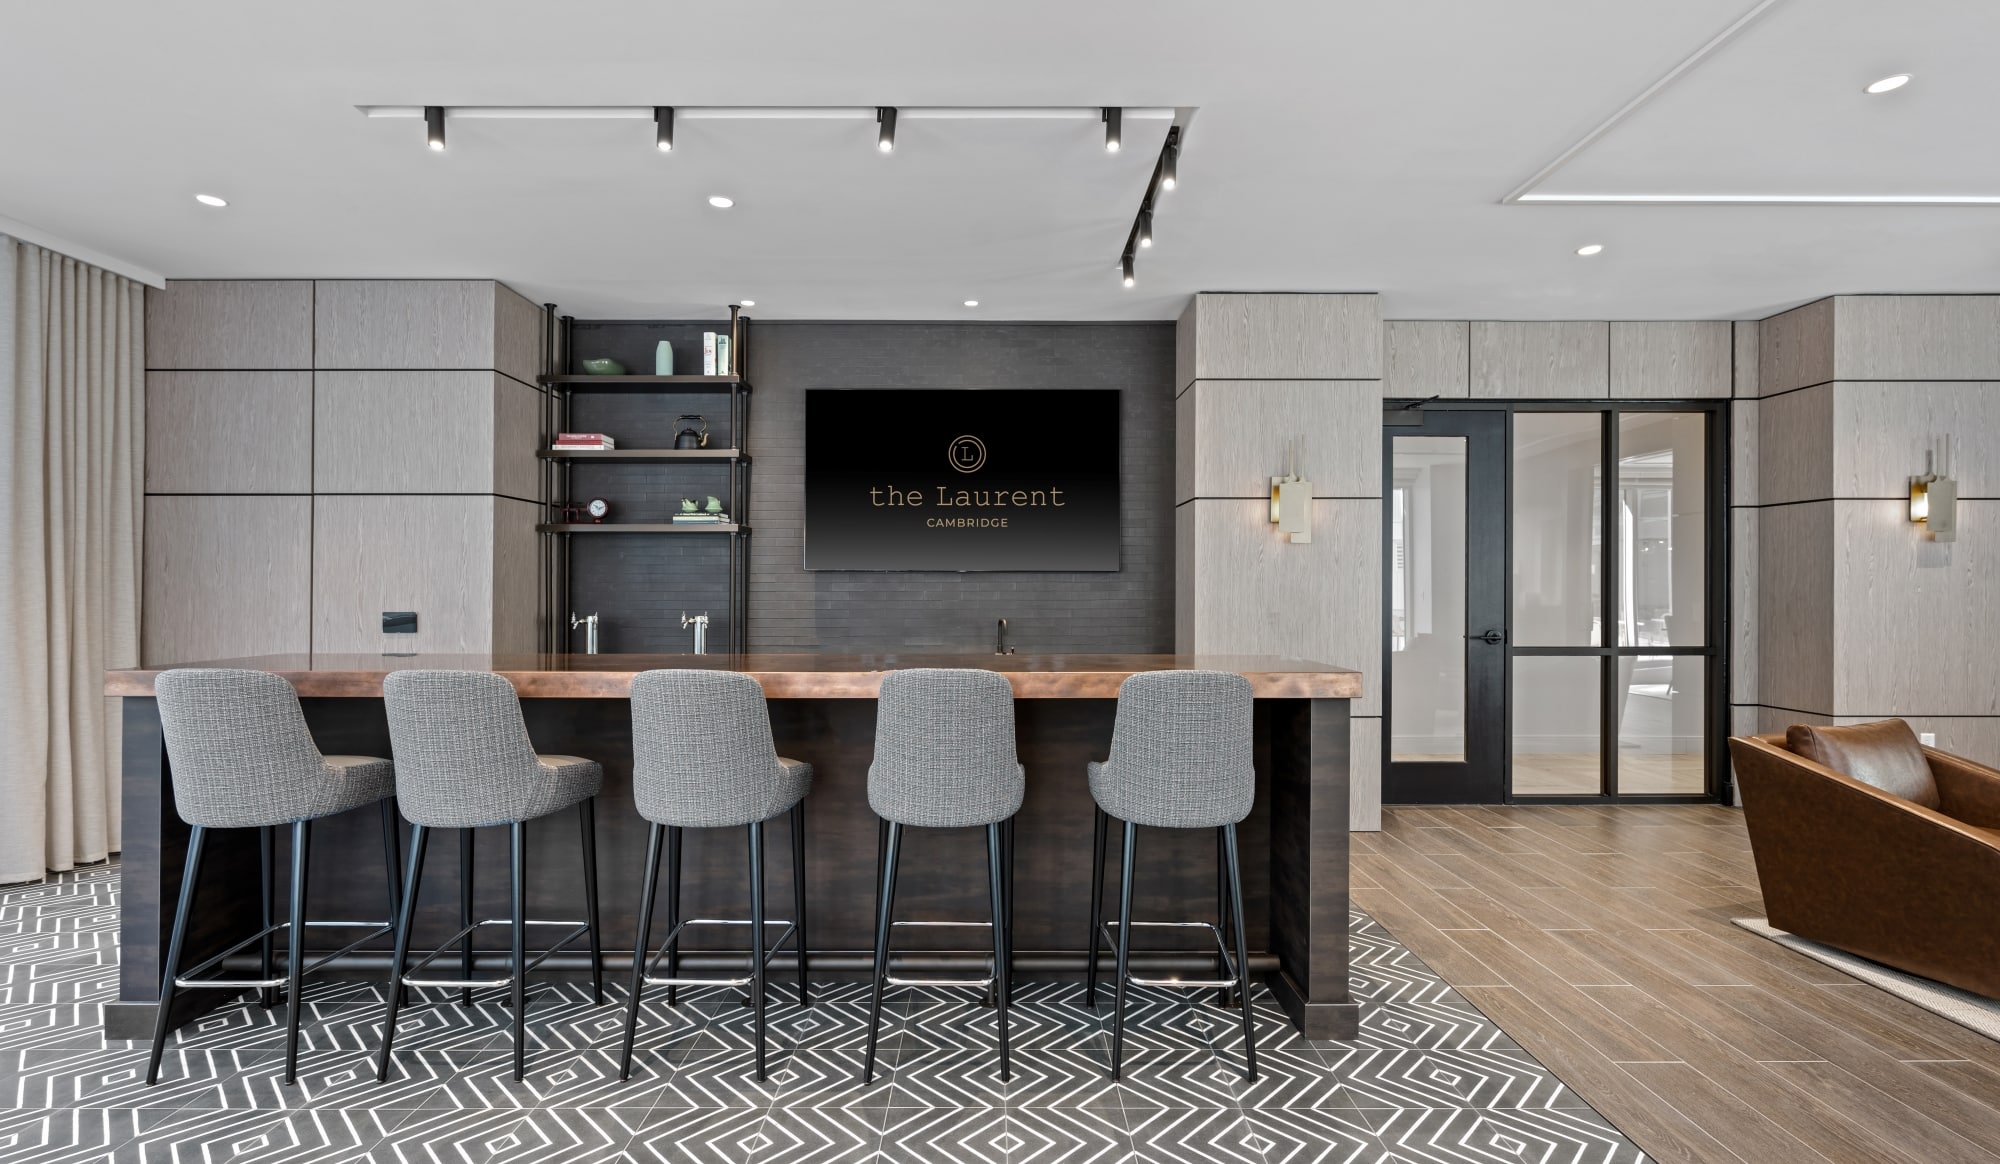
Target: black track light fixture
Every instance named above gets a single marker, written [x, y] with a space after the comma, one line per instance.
[1170, 162]
[885, 138]
[1114, 118]
[434, 125]
[1125, 266]
[1145, 228]
[663, 128]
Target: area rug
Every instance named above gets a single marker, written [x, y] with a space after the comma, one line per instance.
[1964, 1008]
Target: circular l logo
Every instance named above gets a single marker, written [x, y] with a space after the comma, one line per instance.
[967, 454]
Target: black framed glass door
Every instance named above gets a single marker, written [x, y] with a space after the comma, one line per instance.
[1444, 589]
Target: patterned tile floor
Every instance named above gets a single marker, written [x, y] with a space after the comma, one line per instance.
[1430, 1079]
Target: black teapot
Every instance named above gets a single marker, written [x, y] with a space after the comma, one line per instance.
[693, 432]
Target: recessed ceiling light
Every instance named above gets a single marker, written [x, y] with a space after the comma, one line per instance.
[1888, 83]
[972, 303]
[719, 202]
[1592, 249]
[211, 200]
[747, 303]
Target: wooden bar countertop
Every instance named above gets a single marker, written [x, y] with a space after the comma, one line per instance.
[539, 676]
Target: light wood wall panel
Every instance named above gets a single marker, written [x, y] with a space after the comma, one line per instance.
[1795, 607]
[1795, 446]
[407, 432]
[226, 577]
[1916, 337]
[518, 334]
[1916, 621]
[1795, 348]
[1364, 774]
[1517, 360]
[1777, 719]
[1256, 593]
[229, 432]
[1287, 337]
[430, 554]
[1882, 431]
[1743, 592]
[1422, 358]
[1187, 552]
[1184, 330]
[1975, 737]
[517, 436]
[1238, 430]
[1744, 470]
[1745, 368]
[1671, 360]
[246, 324]
[427, 324]
[516, 576]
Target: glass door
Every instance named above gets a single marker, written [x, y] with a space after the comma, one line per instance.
[1444, 592]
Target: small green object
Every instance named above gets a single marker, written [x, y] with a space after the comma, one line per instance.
[687, 505]
[715, 505]
[603, 367]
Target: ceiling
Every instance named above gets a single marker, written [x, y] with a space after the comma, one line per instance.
[1333, 145]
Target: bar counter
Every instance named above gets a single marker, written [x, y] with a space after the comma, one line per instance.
[1294, 846]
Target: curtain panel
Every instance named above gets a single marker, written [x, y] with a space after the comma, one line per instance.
[72, 437]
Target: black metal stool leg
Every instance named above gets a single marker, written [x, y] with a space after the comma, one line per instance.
[673, 909]
[757, 939]
[1096, 909]
[885, 910]
[465, 837]
[392, 856]
[1124, 950]
[1223, 997]
[1242, 953]
[646, 893]
[295, 946]
[587, 813]
[995, 858]
[799, 896]
[518, 857]
[267, 997]
[419, 839]
[190, 873]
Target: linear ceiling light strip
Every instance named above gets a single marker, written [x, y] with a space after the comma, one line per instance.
[769, 112]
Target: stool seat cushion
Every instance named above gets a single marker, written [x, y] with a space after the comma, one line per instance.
[944, 749]
[1180, 751]
[702, 753]
[463, 756]
[356, 781]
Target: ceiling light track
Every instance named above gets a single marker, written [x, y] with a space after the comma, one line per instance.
[769, 112]
[1164, 168]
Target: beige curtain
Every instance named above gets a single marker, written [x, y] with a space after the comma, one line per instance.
[72, 436]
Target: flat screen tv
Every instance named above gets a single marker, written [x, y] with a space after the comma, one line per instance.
[961, 479]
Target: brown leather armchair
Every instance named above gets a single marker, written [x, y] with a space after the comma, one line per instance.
[1877, 874]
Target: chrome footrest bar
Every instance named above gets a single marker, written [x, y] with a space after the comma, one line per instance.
[770, 951]
[578, 929]
[1230, 983]
[189, 979]
[969, 983]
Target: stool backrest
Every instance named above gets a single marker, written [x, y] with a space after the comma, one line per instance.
[702, 755]
[239, 748]
[944, 749]
[1180, 751]
[463, 757]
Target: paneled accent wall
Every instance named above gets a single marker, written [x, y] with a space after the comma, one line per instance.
[1861, 615]
[1255, 371]
[318, 452]
[1563, 360]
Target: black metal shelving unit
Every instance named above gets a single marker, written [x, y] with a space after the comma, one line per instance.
[561, 384]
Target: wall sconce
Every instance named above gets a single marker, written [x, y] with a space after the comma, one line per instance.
[1934, 496]
[1291, 498]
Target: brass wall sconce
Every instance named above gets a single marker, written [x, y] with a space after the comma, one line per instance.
[1934, 496]
[1291, 497]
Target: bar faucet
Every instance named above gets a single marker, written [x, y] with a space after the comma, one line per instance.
[700, 624]
[1000, 646]
[589, 624]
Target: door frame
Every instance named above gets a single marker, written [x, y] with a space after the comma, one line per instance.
[1716, 615]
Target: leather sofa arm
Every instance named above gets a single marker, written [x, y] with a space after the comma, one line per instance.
[1967, 791]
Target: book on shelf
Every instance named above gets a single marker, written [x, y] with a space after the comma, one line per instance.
[582, 436]
[579, 447]
[708, 353]
[701, 519]
[722, 355]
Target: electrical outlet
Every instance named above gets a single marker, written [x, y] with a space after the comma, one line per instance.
[1927, 739]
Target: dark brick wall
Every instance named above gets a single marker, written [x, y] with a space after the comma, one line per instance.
[640, 585]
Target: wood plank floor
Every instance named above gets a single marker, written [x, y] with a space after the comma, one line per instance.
[1599, 938]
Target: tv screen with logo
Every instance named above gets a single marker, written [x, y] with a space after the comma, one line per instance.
[961, 479]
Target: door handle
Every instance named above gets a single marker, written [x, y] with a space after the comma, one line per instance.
[1492, 636]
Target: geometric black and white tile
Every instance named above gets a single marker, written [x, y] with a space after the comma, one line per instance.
[1430, 1079]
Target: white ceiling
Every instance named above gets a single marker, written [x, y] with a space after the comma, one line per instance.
[1336, 145]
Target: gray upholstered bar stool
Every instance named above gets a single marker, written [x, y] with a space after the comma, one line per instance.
[1180, 759]
[242, 758]
[464, 761]
[944, 759]
[702, 758]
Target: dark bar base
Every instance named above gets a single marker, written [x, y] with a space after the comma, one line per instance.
[1319, 1021]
